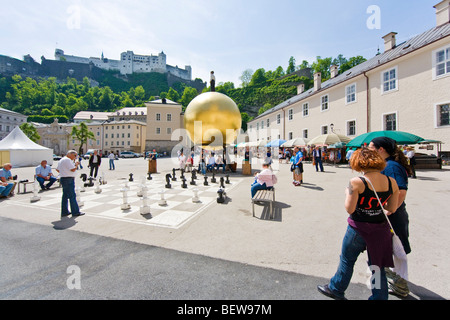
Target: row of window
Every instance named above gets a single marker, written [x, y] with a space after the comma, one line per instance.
[168, 130]
[168, 117]
[117, 135]
[389, 83]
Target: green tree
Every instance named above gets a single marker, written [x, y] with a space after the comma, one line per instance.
[189, 94]
[82, 134]
[291, 65]
[173, 95]
[246, 77]
[258, 78]
[30, 131]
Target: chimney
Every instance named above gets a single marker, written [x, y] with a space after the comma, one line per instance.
[317, 81]
[389, 41]
[442, 12]
[334, 71]
[300, 88]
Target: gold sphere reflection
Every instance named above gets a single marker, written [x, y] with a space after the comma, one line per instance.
[212, 120]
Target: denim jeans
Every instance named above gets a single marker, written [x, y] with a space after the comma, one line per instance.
[318, 164]
[111, 164]
[4, 191]
[42, 181]
[257, 186]
[352, 245]
[68, 188]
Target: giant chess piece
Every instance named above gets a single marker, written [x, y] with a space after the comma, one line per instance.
[140, 192]
[184, 185]
[145, 208]
[125, 205]
[174, 178]
[195, 198]
[205, 183]
[78, 197]
[213, 179]
[90, 183]
[83, 177]
[35, 196]
[162, 201]
[182, 174]
[221, 183]
[194, 173]
[131, 177]
[97, 188]
[227, 181]
[103, 178]
[168, 185]
[192, 183]
[221, 196]
[149, 176]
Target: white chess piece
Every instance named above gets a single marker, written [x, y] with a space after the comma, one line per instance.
[78, 196]
[195, 197]
[103, 178]
[142, 186]
[97, 188]
[163, 201]
[145, 208]
[125, 205]
[35, 196]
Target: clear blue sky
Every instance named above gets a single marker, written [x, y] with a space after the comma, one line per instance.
[225, 36]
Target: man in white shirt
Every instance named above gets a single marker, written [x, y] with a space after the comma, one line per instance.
[211, 163]
[43, 174]
[67, 168]
[111, 158]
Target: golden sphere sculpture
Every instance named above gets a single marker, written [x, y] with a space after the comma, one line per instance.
[212, 120]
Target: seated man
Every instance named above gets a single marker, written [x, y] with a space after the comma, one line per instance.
[219, 163]
[5, 189]
[211, 163]
[44, 173]
[6, 177]
[264, 180]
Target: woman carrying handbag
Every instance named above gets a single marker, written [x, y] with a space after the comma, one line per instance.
[367, 226]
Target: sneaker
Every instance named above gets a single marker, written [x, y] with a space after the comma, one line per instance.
[397, 285]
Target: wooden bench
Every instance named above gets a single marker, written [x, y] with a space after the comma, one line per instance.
[24, 183]
[264, 196]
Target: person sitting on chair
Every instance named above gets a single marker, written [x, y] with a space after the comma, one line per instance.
[44, 173]
[264, 180]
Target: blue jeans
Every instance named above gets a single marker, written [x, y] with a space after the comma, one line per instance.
[5, 190]
[49, 184]
[257, 186]
[68, 187]
[319, 163]
[352, 245]
[111, 164]
[202, 167]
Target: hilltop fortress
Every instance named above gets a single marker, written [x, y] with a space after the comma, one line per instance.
[130, 63]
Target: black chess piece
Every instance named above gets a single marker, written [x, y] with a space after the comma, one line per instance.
[205, 183]
[168, 185]
[221, 196]
[131, 177]
[184, 185]
[83, 177]
[213, 179]
[227, 181]
[192, 183]
[174, 178]
[149, 176]
[221, 182]
[194, 173]
[182, 174]
[90, 183]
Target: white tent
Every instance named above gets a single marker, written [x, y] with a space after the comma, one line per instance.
[23, 152]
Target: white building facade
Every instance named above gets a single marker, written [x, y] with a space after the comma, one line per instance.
[406, 88]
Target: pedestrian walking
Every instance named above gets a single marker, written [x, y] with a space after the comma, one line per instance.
[367, 226]
[298, 167]
[317, 154]
[111, 158]
[396, 167]
[67, 168]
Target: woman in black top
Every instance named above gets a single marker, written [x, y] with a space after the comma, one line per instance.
[368, 228]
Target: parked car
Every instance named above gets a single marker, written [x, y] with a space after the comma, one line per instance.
[55, 157]
[88, 154]
[128, 154]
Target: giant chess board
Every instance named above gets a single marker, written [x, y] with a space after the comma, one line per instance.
[179, 207]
